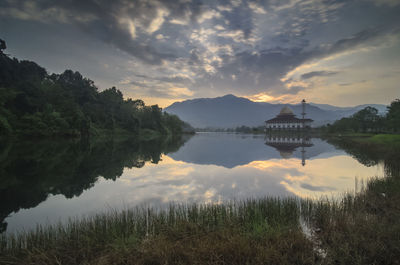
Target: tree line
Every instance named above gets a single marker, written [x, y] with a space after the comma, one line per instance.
[369, 120]
[35, 103]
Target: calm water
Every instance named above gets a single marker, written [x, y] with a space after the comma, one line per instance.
[48, 182]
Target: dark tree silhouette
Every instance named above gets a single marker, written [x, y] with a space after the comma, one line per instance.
[3, 45]
[35, 103]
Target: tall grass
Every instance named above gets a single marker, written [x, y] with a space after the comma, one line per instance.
[360, 228]
[129, 229]
[141, 222]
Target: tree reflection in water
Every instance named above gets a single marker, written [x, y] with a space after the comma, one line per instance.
[30, 171]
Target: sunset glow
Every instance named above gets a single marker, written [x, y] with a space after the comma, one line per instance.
[266, 51]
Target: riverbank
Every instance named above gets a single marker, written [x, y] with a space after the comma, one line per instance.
[386, 145]
[386, 140]
[361, 228]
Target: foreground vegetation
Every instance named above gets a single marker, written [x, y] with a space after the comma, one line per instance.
[35, 103]
[232, 233]
[360, 228]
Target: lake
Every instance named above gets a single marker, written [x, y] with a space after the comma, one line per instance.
[45, 182]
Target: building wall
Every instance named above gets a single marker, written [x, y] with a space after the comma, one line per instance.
[278, 126]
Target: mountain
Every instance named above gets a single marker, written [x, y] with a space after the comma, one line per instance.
[230, 111]
[381, 108]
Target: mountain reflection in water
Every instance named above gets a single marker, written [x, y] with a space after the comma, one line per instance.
[232, 150]
[51, 182]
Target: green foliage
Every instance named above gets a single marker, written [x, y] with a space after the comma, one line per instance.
[35, 103]
[246, 129]
[393, 116]
[386, 139]
[5, 128]
[368, 120]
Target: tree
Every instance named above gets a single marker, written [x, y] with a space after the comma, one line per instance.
[393, 116]
[3, 45]
[366, 118]
[35, 102]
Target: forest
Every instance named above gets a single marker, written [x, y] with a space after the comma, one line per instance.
[36, 103]
[368, 120]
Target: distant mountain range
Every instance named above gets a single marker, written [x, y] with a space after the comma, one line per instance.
[230, 111]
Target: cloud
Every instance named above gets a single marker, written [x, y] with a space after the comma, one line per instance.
[167, 79]
[257, 8]
[316, 188]
[117, 22]
[209, 14]
[30, 10]
[219, 47]
[353, 83]
[130, 25]
[225, 8]
[157, 22]
[317, 73]
[168, 92]
[390, 3]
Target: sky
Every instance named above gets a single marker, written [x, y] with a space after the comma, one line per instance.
[339, 52]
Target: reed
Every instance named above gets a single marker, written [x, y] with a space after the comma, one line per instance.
[360, 228]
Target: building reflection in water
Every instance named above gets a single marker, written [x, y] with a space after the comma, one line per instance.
[287, 143]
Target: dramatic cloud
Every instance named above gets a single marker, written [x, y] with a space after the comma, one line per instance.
[317, 73]
[191, 48]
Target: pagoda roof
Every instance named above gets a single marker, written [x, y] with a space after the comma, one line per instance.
[286, 115]
[286, 111]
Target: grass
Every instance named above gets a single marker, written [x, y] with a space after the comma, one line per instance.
[351, 134]
[387, 139]
[239, 232]
[360, 228]
[383, 145]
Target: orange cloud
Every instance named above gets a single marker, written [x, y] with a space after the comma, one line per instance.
[264, 97]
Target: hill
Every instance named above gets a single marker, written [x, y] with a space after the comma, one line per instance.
[35, 103]
[230, 111]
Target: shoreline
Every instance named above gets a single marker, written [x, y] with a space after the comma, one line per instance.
[356, 228]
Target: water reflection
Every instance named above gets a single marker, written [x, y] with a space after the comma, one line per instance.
[51, 182]
[232, 150]
[286, 144]
[32, 171]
